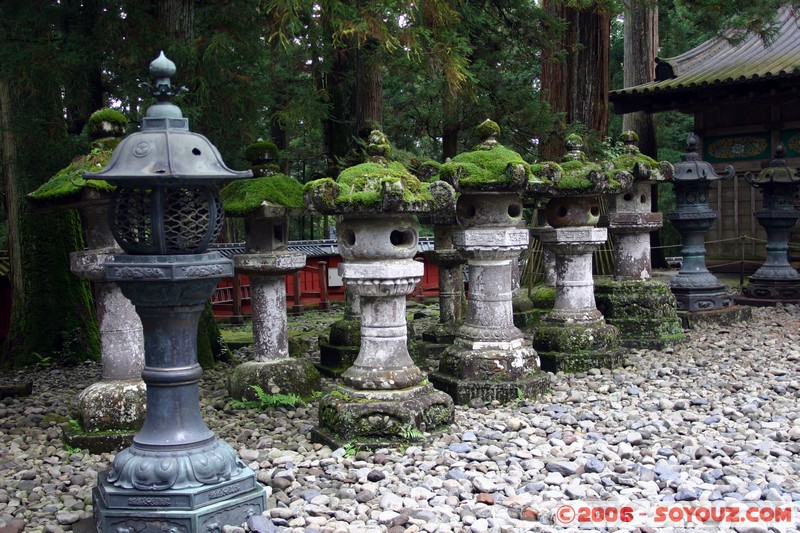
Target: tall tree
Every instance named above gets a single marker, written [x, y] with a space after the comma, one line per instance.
[575, 72]
[51, 312]
[640, 45]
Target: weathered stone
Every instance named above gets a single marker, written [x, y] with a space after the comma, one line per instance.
[339, 349]
[643, 311]
[385, 397]
[574, 335]
[117, 403]
[267, 263]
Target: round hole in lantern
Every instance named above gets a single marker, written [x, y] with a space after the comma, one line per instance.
[627, 197]
[575, 211]
[515, 210]
[348, 237]
[402, 238]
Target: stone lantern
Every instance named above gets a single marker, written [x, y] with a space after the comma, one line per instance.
[384, 397]
[490, 358]
[574, 335]
[450, 272]
[699, 294]
[643, 310]
[265, 203]
[776, 280]
[110, 411]
[164, 212]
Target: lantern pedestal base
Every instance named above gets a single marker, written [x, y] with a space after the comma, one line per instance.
[205, 508]
[766, 293]
[644, 312]
[463, 390]
[339, 349]
[283, 376]
[378, 418]
[526, 316]
[722, 317]
[578, 347]
[435, 341]
[502, 372]
[109, 413]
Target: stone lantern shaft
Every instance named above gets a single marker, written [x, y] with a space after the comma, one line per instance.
[267, 261]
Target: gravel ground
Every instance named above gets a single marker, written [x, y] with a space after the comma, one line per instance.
[717, 419]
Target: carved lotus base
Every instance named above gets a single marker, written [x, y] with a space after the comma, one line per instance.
[199, 509]
[374, 419]
[164, 468]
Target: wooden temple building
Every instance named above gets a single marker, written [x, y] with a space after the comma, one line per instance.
[745, 99]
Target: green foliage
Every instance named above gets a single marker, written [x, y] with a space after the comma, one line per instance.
[411, 433]
[244, 197]
[268, 401]
[71, 449]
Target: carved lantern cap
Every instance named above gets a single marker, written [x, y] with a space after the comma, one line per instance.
[575, 175]
[489, 167]
[778, 171]
[643, 168]
[165, 152]
[692, 168]
[378, 186]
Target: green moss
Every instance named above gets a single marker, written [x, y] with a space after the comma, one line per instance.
[260, 151]
[244, 197]
[628, 160]
[378, 145]
[106, 122]
[487, 128]
[210, 345]
[65, 186]
[362, 186]
[429, 170]
[484, 169]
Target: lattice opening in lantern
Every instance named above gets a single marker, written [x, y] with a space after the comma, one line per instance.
[132, 218]
[166, 220]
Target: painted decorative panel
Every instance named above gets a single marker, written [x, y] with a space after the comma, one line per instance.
[791, 141]
[737, 147]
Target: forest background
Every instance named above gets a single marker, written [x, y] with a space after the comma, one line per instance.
[313, 77]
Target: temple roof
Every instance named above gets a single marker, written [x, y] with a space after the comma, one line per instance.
[718, 64]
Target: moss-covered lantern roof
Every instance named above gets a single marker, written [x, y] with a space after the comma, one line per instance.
[575, 175]
[489, 167]
[641, 166]
[269, 193]
[68, 188]
[378, 186]
[778, 171]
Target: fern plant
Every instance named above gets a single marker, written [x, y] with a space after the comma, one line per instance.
[266, 401]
